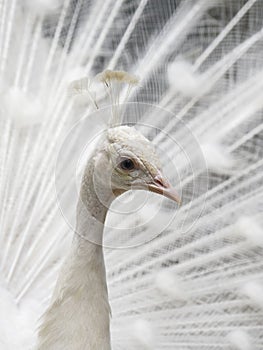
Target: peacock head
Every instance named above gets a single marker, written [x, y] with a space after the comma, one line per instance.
[127, 160]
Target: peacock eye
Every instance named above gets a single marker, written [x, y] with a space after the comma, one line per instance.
[127, 164]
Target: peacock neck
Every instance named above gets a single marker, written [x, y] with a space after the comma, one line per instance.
[79, 316]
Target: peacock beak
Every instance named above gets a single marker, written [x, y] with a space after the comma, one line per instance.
[162, 186]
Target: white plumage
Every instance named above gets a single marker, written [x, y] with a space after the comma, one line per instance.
[79, 314]
[208, 134]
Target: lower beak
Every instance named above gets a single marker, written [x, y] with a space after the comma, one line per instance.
[162, 186]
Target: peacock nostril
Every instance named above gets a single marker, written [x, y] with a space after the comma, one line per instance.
[161, 181]
[162, 186]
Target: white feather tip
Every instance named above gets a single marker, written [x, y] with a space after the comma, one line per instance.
[239, 340]
[24, 109]
[254, 291]
[143, 334]
[250, 229]
[171, 285]
[184, 80]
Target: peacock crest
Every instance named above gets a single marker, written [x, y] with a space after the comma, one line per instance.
[113, 82]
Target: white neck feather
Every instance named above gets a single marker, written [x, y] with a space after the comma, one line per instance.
[79, 315]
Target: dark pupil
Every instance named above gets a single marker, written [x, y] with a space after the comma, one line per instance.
[127, 164]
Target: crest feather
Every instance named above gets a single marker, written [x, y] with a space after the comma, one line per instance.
[113, 82]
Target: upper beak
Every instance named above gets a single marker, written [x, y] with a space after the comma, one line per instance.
[162, 186]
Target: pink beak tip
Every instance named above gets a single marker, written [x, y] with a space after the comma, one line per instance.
[162, 186]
